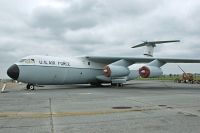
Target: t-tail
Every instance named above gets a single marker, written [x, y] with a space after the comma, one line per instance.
[150, 46]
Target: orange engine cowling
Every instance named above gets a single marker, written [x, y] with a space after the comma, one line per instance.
[115, 71]
[144, 72]
[107, 71]
[150, 71]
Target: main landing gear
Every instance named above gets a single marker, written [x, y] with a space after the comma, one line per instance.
[117, 84]
[96, 84]
[30, 87]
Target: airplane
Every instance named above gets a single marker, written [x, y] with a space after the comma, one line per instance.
[95, 70]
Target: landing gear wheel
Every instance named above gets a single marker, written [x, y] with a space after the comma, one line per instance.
[27, 86]
[30, 87]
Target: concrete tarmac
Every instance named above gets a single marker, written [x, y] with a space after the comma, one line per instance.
[139, 107]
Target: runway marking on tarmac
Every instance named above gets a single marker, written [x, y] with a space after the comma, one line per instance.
[51, 116]
[62, 114]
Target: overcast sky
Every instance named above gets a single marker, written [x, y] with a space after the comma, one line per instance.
[98, 27]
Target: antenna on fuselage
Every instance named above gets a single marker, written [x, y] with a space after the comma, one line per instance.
[150, 46]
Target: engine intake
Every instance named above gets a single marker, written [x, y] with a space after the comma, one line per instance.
[115, 71]
[150, 71]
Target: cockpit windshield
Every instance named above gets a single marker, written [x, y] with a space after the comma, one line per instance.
[28, 61]
[22, 60]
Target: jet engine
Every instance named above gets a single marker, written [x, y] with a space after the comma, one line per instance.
[150, 71]
[115, 71]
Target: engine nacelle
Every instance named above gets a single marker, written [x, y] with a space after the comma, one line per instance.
[115, 71]
[150, 71]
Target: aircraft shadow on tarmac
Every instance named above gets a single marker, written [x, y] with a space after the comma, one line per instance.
[142, 86]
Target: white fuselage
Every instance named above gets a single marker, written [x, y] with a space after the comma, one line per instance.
[48, 70]
[55, 70]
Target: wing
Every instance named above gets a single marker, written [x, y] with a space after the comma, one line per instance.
[108, 60]
[133, 60]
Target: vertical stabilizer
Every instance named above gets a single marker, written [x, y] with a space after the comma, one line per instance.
[150, 46]
[149, 50]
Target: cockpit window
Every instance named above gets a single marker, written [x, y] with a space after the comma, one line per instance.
[28, 61]
[22, 60]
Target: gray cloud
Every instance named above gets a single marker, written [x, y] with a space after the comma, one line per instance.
[74, 17]
[97, 27]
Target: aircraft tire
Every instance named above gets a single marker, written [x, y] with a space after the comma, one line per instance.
[28, 86]
[32, 87]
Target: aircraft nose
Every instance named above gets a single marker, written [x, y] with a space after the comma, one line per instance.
[13, 72]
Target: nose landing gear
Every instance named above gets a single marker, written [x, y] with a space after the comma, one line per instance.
[30, 87]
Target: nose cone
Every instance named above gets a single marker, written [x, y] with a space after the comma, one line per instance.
[13, 72]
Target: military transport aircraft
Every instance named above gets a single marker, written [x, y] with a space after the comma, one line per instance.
[95, 70]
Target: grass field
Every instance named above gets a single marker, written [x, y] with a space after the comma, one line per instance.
[169, 77]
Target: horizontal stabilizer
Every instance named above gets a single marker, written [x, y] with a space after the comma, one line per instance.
[152, 43]
[150, 46]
